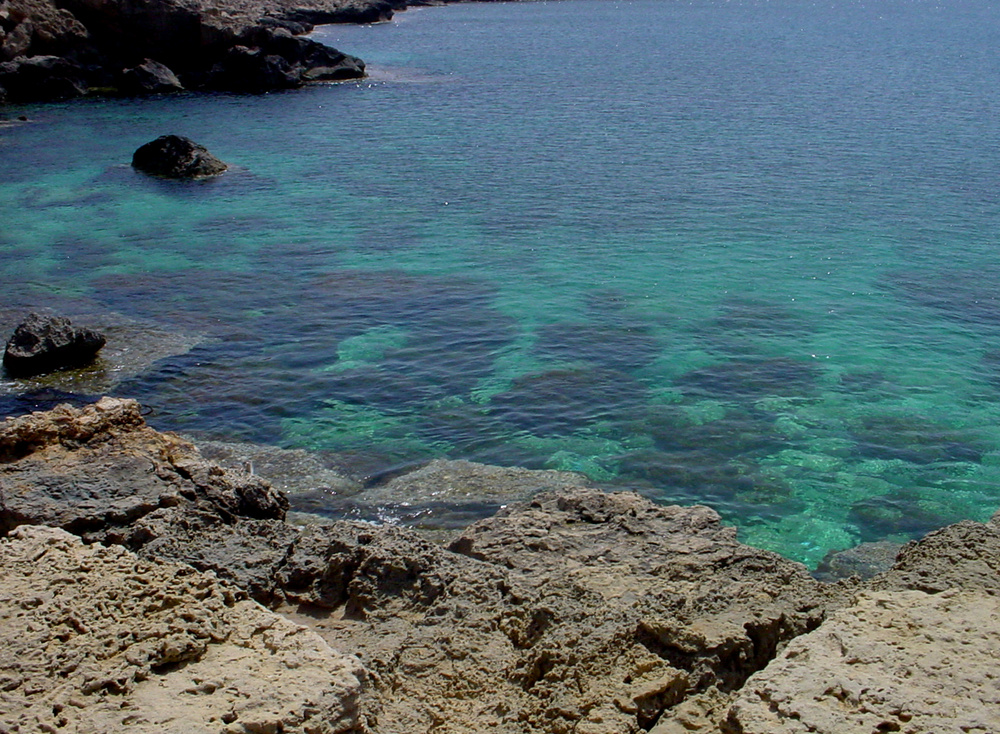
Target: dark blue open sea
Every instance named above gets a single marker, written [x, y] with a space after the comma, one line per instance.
[739, 253]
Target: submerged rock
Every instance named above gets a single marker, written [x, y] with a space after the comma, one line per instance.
[173, 156]
[47, 343]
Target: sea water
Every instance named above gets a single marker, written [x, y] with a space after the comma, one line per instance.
[737, 253]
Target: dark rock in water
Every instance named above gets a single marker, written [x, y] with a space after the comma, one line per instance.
[58, 49]
[149, 77]
[46, 343]
[173, 156]
[42, 78]
[312, 60]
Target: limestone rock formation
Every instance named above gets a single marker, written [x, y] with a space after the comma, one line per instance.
[894, 661]
[94, 639]
[578, 611]
[97, 469]
[456, 491]
[43, 343]
[574, 610]
[174, 156]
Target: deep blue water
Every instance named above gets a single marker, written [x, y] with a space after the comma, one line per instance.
[735, 253]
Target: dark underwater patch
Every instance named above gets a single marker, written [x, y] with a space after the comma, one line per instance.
[897, 514]
[613, 347]
[912, 439]
[563, 401]
[12, 406]
[760, 318]
[962, 295]
[753, 379]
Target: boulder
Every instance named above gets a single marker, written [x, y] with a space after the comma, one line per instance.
[149, 77]
[173, 156]
[94, 639]
[47, 343]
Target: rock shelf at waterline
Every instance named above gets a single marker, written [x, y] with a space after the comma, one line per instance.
[575, 610]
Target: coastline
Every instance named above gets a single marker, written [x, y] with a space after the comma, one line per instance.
[571, 610]
[539, 603]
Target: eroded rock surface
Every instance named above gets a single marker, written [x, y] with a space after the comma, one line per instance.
[94, 639]
[894, 661]
[578, 611]
[573, 611]
[97, 469]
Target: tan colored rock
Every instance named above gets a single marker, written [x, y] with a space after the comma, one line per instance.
[578, 612]
[95, 470]
[894, 661]
[93, 639]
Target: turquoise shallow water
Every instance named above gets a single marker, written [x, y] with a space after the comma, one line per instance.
[735, 253]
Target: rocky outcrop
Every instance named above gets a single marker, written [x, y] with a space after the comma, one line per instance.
[573, 610]
[173, 156]
[149, 77]
[578, 611]
[55, 49]
[43, 343]
[96, 470]
[898, 661]
[94, 639]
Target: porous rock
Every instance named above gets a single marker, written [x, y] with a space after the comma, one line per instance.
[965, 555]
[44, 343]
[95, 470]
[174, 156]
[94, 639]
[894, 661]
[578, 611]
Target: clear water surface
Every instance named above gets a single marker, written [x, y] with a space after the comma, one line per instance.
[741, 253]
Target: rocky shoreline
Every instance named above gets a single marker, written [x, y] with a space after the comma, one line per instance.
[60, 49]
[136, 575]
